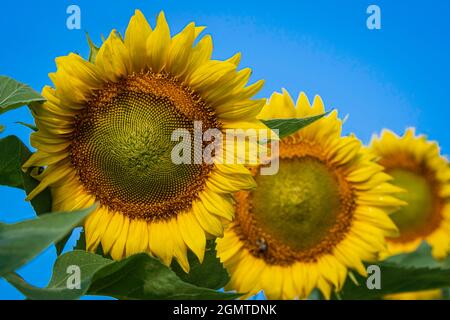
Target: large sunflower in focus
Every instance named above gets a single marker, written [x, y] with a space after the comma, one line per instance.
[418, 168]
[323, 213]
[105, 136]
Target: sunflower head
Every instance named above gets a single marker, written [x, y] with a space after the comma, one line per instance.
[106, 135]
[417, 166]
[325, 212]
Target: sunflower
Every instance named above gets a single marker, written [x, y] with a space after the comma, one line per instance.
[434, 294]
[104, 136]
[417, 166]
[323, 213]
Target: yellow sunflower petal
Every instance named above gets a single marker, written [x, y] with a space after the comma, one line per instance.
[192, 234]
[136, 37]
[158, 44]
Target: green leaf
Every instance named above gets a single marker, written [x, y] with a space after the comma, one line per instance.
[137, 277]
[12, 154]
[61, 244]
[287, 127]
[14, 94]
[93, 49]
[217, 276]
[81, 242]
[2, 128]
[397, 279]
[57, 288]
[420, 258]
[21, 242]
[144, 277]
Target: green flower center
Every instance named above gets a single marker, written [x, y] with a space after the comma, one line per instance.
[299, 204]
[298, 214]
[122, 147]
[417, 217]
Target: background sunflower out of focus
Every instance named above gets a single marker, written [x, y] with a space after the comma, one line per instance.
[320, 48]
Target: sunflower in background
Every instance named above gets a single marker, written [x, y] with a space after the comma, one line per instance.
[325, 212]
[434, 294]
[104, 135]
[419, 169]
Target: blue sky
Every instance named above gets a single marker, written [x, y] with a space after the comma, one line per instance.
[394, 78]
